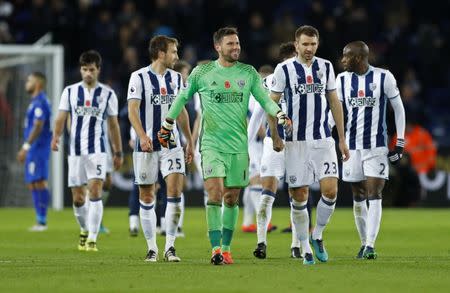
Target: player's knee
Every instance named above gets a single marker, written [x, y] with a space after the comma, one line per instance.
[375, 196]
[174, 190]
[330, 192]
[230, 201]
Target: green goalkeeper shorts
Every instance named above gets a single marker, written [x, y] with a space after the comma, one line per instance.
[232, 167]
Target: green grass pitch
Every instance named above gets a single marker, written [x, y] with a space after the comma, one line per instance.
[413, 256]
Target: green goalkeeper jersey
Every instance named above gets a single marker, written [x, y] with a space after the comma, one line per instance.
[224, 96]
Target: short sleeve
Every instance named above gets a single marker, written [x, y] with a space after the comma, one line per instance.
[112, 109]
[339, 87]
[331, 77]
[390, 86]
[135, 87]
[278, 83]
[64, 102]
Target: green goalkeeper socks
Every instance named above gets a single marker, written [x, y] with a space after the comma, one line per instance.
[214, 222]
[230, 217]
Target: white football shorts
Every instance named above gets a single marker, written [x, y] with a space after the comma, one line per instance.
[255, 150]
[366, 163]
[83, 168]
[272, 162]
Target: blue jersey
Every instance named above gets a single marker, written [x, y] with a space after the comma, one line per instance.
[39, 109]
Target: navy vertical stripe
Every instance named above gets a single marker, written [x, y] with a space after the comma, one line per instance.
[168, 80]
[353, 94]
[381, 141]
[327, 68]
[142, 113]
[93, 121]
[368, 113]
[71, 116]
[288, 96]
[179, 82]
[156, 112]
[317, 103]
[80, 103]
[102, 138]
[302, 107]
[344, 103]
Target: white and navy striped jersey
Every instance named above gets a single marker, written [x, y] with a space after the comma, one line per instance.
[364, 100]
[157, 93]
[304, 90]
[88, 109]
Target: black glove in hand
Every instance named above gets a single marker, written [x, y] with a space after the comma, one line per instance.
[395, 155]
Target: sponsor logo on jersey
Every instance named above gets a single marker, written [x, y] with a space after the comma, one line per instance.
[362, 101]
[231, 97]
[162, 99]
[308, 88]
[88, 111]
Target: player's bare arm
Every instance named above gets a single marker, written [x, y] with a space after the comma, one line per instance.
[60, 122]
[338, 116]
[35, 132]
[183, 121]
[116, 141]
[133, 116]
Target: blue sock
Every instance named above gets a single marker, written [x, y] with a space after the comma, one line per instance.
[44, 199]
[133, 201]
[35, 195]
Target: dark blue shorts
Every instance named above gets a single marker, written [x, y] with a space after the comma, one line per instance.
[36, 167]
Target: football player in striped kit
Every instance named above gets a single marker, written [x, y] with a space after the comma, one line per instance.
[90, 103]
[364, 91]
[151, 91]
[308, 84]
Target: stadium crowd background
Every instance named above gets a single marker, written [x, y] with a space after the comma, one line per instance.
[405, 36]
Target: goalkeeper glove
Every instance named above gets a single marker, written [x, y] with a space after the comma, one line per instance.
[285, 121]
[395, 155]
[165, 134]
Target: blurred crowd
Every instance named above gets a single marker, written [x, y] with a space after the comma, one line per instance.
[405, 36]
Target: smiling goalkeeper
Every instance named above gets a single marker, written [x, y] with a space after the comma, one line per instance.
[224, 86]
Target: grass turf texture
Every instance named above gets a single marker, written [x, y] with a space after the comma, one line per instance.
[413, 256]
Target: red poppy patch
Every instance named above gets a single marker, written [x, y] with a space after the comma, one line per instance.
[309, 79]
[163, 91]
[87, 103]
[227, 84]
[360, 93]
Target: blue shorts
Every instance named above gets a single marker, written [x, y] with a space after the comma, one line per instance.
[36, 167]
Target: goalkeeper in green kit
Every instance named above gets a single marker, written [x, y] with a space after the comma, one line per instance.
[224, 87]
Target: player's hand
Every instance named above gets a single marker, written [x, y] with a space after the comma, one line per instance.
[395, 155]
[278, 144]
[344, 150]
[286, 122]
[21, 155]
[189, 152]
[146, 144]
[117, 160]
[55, 143]
[165, 134]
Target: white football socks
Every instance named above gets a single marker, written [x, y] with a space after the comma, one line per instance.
[173, 212]
[373, 221]
[249, 211]
[264, 214]
[95, 215]
[360, 213]
[81, 214]
[148, 223]
[134, 222]
[300, 219]
[325, 208]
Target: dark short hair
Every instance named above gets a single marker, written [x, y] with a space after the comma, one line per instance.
[222, 32]
[41, 77]
[180, 65]
[90, 57]
[308, 30]
[266, 69]
[286, 50]
[160, 43]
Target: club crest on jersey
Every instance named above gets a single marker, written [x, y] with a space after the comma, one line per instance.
[241, 83]
[372, 86]
[132, 90]
[292, 179]
[99, 99]
[274, 81]
[208, 170]
[319, 74]
[173, 86]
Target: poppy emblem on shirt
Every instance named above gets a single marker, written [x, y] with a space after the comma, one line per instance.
[309, 79]
[87, 103]
[227, 84]
[163, 91]
[360, 93]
